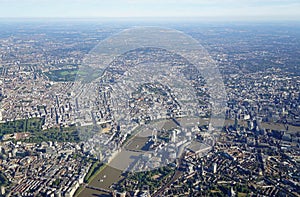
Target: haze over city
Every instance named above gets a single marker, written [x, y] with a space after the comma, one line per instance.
[213, 9]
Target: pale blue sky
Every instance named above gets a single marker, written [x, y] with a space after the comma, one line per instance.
[235, 9]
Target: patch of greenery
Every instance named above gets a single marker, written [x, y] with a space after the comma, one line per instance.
[32, 125]
[147, 178]
[62, 134]
[62, 74]
[3, 180]
[56, 182]
[37, 134]
[94, 170]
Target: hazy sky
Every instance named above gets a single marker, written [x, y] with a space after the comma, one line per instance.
[236, 9]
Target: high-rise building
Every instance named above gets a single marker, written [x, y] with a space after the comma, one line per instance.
[173, 137]
[2, 190]
[210, 127]
[215, 168]
[154, 136]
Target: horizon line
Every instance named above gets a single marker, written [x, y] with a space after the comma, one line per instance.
[164, 18]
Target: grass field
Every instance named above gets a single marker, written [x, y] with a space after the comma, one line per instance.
[65, 75]
[37, 134]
